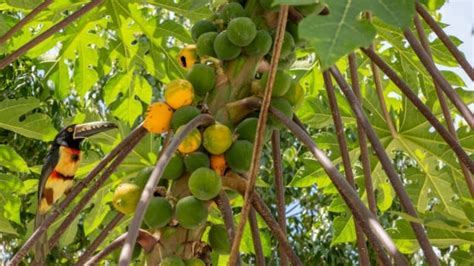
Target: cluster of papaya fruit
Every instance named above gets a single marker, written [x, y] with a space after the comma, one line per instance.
[238, 29]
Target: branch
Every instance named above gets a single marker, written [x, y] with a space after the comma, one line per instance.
[239, 184]
[371, 227]
[279, 189]
[364, 152]
[137, 133]
[222, 202]
[383, 104]
[424, 110]
[346, 160]
[260, 134]
[257, 242]
[445, 39]
[24, 21]
[439, 79]
[155, 176]
[145, 239]
[442, 101]
[386, 165]
[93, 190]
[96, 243]
[48, 33]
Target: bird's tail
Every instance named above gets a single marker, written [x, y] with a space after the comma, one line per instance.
[41, 246]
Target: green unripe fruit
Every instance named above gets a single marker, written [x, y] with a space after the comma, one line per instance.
[306, 10]
[267, 4]
[205, 44]
[239, 156]
[191, 212]
[295, 94]
[231, 11]
[194, 262]
[201, 27]
[241, 31]
[283, 106]
[217, 139]
[183, 115]
[126, 197]
[142, 177]
[175, 167]
[261, 45]
[204, 183]
[224, 49]
[159, 213]
[287, 46]
[247, 129]
[281, 84]
[203, 78]
[172, 261]
[196, 160]
[218, 239]
[292, 28]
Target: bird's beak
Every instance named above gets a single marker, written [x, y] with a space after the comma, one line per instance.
[89, 129]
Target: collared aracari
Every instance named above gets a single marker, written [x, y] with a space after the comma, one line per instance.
[59, 169]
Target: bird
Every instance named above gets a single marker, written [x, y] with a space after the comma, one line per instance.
[59, 169]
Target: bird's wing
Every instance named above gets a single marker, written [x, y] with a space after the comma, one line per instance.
[41, 247]
[50, 163]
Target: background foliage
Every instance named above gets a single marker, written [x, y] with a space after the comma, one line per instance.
[112, 62]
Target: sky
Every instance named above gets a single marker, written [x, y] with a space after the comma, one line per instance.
[459, 15]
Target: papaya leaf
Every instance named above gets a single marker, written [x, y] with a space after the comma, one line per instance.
[338, 33]
[37, 125]
[10, 159]
[5, 226]
[344, 230]
[98, 212]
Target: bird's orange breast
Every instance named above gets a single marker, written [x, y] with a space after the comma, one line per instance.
[60, 180]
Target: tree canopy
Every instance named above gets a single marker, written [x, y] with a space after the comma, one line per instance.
[115, 58]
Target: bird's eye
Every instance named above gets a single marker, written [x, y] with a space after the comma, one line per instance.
[70, 129]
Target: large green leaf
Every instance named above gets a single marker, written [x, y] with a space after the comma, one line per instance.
[344, 229]
[10, 159]
[338, 33]
[187, 8]
[15, 118]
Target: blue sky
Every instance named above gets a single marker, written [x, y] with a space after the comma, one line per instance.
[459, 15]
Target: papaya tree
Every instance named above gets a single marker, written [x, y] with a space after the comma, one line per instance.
[249, 132]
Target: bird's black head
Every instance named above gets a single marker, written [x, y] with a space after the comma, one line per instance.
[72, 135]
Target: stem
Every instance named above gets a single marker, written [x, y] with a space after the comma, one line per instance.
[24, 21]
[260, 134]
[346, 160]
[383, 105]
[222, 202]
[107, 250]
[439, 79]
[372, 228]
[155, 176]
[257, 242]
[279, 189]
[145, 239]
[424, 110]
[48, 33]
[364, 152]
[442, 101]
[387, 166]
[239, 184]
[445, 39]
[93, 190]
[71, 196]
[99, 239]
